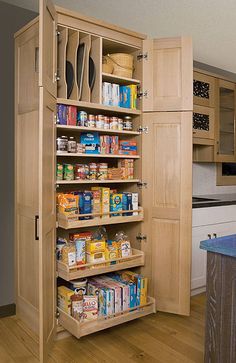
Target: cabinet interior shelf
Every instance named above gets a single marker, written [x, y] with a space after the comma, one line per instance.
[92, 269]
[99, 155]
[107, 181]
[62, 222]
[79, 329]
[88, 129]
[92, 107]
[107, 77]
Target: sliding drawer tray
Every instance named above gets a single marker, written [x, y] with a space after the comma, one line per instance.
[90, 269]
[80, 329]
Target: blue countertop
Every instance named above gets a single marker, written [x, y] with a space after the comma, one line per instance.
[222, 245]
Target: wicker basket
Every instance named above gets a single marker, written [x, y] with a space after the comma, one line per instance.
[122, 64]
[107, 65]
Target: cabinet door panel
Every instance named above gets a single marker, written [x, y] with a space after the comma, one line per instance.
[48, 46]
[203, 90]
[167, 201]
[203, 122]
[47, 222]
[168, 74]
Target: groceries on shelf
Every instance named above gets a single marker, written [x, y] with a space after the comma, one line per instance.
[71, 116]
[104, 296]
[96, 171]
[121, 96]
[99, 202]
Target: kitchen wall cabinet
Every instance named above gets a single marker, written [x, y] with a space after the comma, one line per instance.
[163, 223]
[203, 123]
[208, 223]
[204, 90]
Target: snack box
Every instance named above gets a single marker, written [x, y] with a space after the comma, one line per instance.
[109, 297]
[90, 307]
[74, 236]
[91, 140]
[117, 293]
[114, 145]
[115, 94]
[71, 115]
[62, 114]
[116, 203]
[97, 257]
[111, 251]
[85, 204]
[64, 298]
[127, 203]
[133, 96]
[97, 203]
[94, 246]
[80, 245]
[105, 200]
[107, 93]
[141, 284]
[105, 144]
[125, 97]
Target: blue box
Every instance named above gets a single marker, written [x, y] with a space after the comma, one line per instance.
[127, 203]
[85, 204]
[91, 140]
[62, 114]
[125, 97]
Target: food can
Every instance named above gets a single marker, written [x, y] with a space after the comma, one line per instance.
[114, 123]
[120, 124]
[59, 171]
[106, 122]
[82, 117]
[91, 121]
[128, 124]
[62, 144]
[72, 145]
[81, 171]
[68, 172]
[92, 171]
[100, 121]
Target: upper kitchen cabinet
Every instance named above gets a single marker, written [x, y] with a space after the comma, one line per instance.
[168, 74]
[204, 90]
[225, 123]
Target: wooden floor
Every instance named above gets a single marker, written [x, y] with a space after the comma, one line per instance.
[159, 338]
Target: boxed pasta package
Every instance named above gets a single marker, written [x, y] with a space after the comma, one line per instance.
[68, 205]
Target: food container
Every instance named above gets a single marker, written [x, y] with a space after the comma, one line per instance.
[68, 172]
[128, 123]
[81, 171]
[122, 64]
[91, 121]
[62, 144]
[80, 286]
[92, 171]
[114, 123]
[106, 122]
[102, 173]
[80, 148]
[72, 145]
[120, 124]
[68, 254]
[100, 121]
[81, 118]
[59, 171]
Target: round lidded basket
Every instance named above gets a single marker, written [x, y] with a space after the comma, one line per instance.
[122, 63]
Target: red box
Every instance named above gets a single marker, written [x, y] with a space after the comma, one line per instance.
[71, 115]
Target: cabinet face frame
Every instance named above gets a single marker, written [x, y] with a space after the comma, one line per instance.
[208, 102]
[210, 112]
[218, 156]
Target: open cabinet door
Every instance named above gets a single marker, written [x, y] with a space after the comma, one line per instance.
[47, 152]
[168, 74]
[167, 202]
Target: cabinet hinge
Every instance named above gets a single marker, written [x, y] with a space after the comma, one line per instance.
[142, 94]
[141, 237]
[57, 314]
[142, 56]
[56, 77]
[143, 129]
[142, 184]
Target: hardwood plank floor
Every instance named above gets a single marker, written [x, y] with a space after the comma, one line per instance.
[159, 338]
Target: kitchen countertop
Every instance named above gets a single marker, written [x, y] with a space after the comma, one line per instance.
[216, 200]
[224, 245]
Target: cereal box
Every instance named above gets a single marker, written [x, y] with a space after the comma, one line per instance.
[71, 115]
[97, 203]
[68, 205]
[90, 307]
[61, 114]
[135, 203]
[91, 140]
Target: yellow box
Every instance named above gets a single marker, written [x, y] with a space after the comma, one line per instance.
[143, 291]
[95, 246]
[64, 298]
[95, 257]
[105, 201]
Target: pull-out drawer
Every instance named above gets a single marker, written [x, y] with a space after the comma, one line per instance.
[80, 329]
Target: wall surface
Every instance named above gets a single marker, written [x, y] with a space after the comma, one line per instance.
[12, 18]
[204, 180]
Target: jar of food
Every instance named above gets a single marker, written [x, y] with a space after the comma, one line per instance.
[106, 122]
[114, 123]
[59, 171]
[72, 145]
[120, 124]
[92, 171]
[81, 118]
[128, 123]
[77, 306]
[100, 122]
[62, 144]
[68, 172]
[91, 121]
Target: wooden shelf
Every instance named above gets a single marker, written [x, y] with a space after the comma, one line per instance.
[107, 77]
[80, 329]
[97, 106]
[89, 129]
[93, 269]
[107, 181]
[65, 224]
[99, 155]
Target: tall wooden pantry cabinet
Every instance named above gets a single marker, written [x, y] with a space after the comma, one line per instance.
[160, 229]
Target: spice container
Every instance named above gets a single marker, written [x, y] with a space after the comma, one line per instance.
[62, 144]
[59, 171]
[128, 123]
[68, 171]
[72, 145]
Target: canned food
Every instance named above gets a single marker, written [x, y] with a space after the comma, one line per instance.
[106, 123]
[120, 124]
[68, 172]
[72, 145]
[81, 171]
[92, 171]
[114, 123]
[128, 123]
[91, 121]
[81, 118]
[62, 144]
[59, 171]
[102, 173]
[80, 148]
[100, 121]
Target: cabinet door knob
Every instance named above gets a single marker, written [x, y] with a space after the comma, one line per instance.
[209, 236]
[215, 235]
